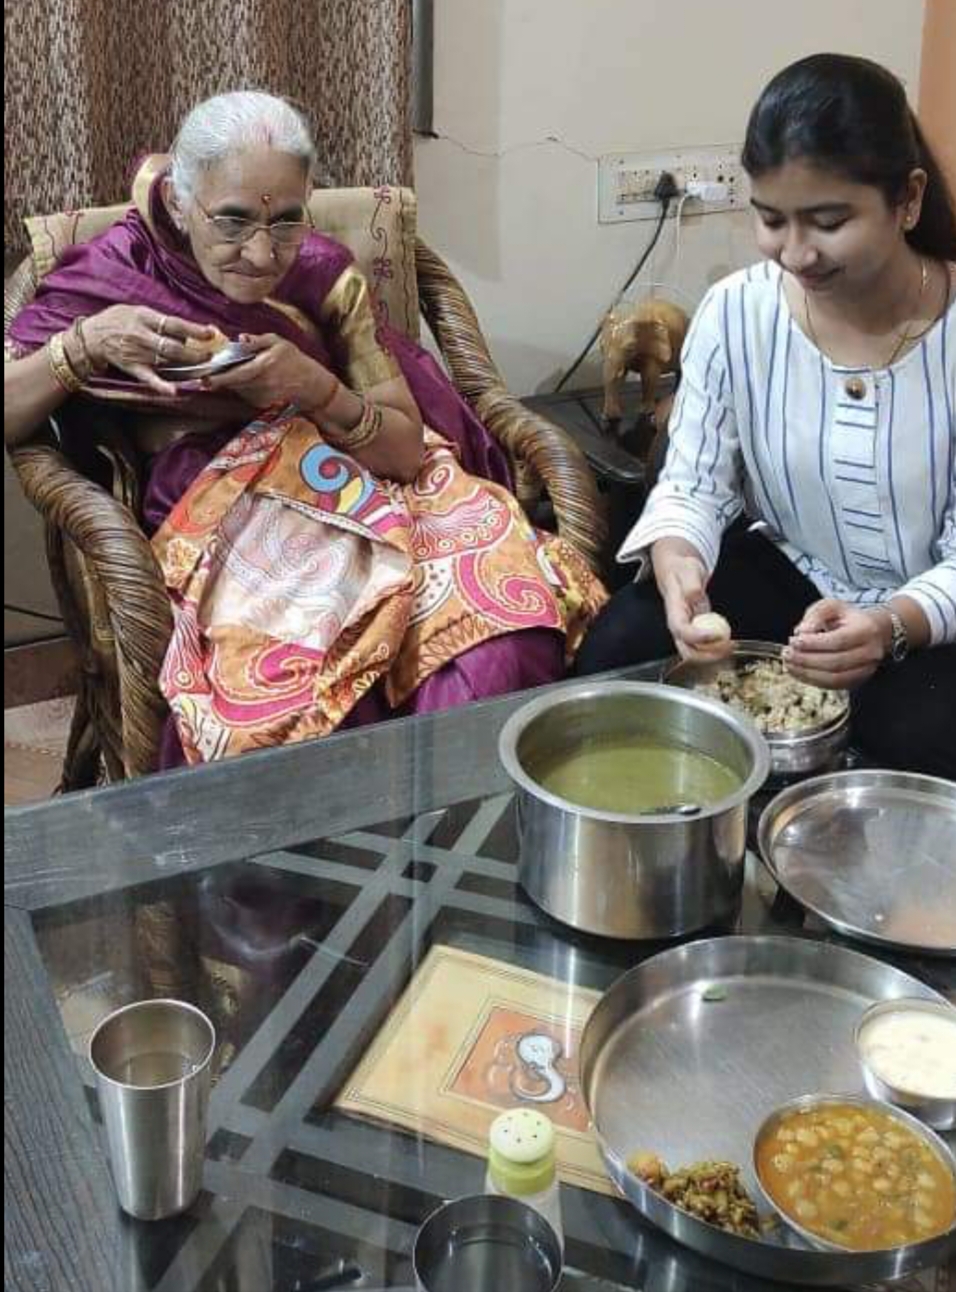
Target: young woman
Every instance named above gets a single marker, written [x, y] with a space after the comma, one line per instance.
[809, 490]
[338, 541]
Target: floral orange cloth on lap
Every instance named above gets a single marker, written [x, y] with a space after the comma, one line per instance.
[299, 581]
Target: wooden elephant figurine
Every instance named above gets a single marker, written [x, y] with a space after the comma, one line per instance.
[645, 339]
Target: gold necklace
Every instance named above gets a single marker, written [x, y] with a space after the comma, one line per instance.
[907, 334]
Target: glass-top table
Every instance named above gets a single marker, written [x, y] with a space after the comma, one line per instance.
[293, 895]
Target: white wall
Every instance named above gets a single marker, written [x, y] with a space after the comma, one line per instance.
[515, 214]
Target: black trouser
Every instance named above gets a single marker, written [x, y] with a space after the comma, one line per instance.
[904, 716]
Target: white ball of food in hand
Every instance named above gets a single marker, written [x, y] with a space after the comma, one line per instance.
[713, 625]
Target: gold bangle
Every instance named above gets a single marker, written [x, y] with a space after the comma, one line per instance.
[365, 429]
[84, 348]
[63, 370]
[86, 368]
[60, 365]
[359, 436]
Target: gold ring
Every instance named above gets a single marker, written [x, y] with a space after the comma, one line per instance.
[161, 326]
[160, 351]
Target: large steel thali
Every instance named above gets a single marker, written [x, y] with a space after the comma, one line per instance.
[688, 1052]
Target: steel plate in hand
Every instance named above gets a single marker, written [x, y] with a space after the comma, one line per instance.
[230, 356]
[873, 853]
[688, 1053]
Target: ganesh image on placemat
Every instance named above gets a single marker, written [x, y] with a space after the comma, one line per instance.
[514, 1058]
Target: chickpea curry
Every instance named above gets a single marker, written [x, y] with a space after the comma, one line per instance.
[856, 1177]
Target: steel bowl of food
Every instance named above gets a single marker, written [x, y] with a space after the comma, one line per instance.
[907, 1050]
[806, 727]
[632, 805]
[851, 1174]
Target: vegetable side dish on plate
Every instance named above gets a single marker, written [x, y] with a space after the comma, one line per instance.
[711, 1191]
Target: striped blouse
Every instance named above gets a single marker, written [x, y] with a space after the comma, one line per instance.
[860, 493]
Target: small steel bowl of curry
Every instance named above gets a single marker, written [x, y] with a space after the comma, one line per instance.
[848, 1173]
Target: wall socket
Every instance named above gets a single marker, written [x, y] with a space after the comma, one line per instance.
[626, 182]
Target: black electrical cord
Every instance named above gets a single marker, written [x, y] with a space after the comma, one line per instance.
[665, 200]
[31, 614]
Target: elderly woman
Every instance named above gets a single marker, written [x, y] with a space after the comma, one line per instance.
[337, 539]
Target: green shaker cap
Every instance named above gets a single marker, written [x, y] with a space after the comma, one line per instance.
[521, 1158]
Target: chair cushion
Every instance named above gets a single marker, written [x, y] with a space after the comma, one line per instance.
[50, 235]
[378, 225]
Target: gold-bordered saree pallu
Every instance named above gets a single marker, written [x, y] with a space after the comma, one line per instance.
[299, 580]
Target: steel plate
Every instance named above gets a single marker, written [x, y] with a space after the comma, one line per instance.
[873, 853]
[230, 356]
[667, 1070]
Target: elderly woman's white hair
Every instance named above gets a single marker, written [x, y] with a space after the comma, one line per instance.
[229, 123]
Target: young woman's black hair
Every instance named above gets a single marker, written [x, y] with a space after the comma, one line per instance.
[851, 115]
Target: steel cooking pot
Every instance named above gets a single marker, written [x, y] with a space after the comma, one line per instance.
[641, 875]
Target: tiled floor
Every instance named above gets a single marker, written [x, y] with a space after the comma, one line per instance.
[34, 742]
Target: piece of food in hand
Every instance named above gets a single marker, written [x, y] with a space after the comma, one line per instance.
[712, 1191]
[715, 626]
[201, 349]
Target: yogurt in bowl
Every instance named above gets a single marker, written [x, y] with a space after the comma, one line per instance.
[907, 1049]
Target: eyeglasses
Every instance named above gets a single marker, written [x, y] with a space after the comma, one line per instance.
[236, 229]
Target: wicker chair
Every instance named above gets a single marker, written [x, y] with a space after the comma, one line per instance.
[110, 591]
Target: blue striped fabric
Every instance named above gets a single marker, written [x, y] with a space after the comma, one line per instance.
[860, 494]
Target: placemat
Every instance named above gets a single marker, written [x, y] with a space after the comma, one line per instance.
[473, 1036]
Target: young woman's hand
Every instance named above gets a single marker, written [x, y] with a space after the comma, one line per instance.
[682, 582]
[836, 645]
[279, 374]
[137, 340]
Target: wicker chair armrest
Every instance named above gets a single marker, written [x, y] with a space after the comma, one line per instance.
[551, 455]
[18, 290]
[121, 559]
[531, 440]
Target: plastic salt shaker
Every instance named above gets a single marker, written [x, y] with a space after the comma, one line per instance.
[522, 1165]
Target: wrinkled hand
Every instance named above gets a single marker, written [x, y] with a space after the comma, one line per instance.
[682, 581]
[138, 340]
[279, 374]
[836, 645]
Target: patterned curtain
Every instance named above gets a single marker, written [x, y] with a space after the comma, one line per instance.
[92, 84]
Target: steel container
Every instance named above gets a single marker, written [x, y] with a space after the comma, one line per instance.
[642, 875]
[936, 1111]
[486, 1243]
[153, 1075]
[792, 753]
[919, 1254]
